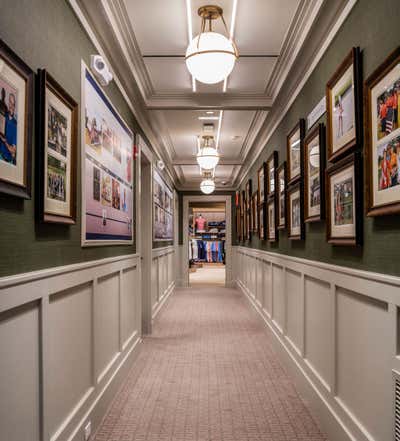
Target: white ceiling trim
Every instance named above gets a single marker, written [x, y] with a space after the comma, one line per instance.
[297, 33]
[136, 112]
[278, 114]
[256, 124]
[118, 18]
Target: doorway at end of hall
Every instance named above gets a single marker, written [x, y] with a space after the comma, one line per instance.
[207, 234]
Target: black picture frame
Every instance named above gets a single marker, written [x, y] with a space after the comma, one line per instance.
[47, 82]
[353, 160]
[316, 132]
[281, 194]
[354, 60]
[294, 235]
[273, 159]
[301, 127]
[275, 236]
[15, 63]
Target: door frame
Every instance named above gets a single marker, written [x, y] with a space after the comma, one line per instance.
[228, 235]
[144, 233]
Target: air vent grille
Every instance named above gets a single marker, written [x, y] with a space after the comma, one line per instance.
[397, 408]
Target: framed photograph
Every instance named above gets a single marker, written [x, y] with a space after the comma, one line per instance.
[254, 210]
[382, 147]
[57, 151]
[344, 106]
[262, 182]
[314, 175]
[244, 216]
[281, 203]
[344, 200]
[262, 221]
[272, 233]
[16, 120]
[107, 169]
[294, 148]
[295, 213]
[272, 164]
[163, 212]
[238, 226]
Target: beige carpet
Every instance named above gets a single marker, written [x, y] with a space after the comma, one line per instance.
[208, 373]
[208, 275]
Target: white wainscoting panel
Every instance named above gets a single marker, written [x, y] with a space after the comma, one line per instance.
[163, 276]
[65, 334]
[338, 329]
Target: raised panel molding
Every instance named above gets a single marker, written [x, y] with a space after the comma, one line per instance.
[53, 322]
[337, 330]
[163, 276]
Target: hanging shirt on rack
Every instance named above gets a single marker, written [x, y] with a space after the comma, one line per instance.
[200, 223]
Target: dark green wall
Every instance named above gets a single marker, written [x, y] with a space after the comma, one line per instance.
[375, 27]
[199, 193]
[46, 34]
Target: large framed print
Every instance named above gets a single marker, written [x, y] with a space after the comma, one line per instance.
[272, 164]
[382, 148]
[262, 182]
[281, 211]
[272, 232]
[294, 147]
[344, 106]
[16, 121]
[107, 169]
[57, 156]
[344, 201]
[295, 213]
[163, 212]
[314, 175]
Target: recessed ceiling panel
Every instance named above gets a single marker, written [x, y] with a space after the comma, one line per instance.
[160, 26]
[234, 129]
[168, 75]
[261, 25]
[250, 75]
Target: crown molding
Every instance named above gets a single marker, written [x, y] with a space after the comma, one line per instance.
[118, 17]
[255, 126]
[333, 17]
[295, 37]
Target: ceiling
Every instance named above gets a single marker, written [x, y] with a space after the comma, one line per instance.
[151, 37]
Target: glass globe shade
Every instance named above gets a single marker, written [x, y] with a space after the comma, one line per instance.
[207, 158]
[207, 186]
[213, 60]
[314, 156]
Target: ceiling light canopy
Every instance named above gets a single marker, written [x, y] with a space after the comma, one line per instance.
[208, 156]
[207, 186]
[210, 56]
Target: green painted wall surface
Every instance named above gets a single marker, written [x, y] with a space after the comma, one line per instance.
[46, 34]
[374, 27]
[199, 193]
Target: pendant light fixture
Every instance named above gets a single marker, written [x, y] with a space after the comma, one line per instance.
[207, 185]
[210, 56]
[207, 156]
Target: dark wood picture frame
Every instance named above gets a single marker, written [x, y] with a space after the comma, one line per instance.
[352, 59]
[47, 82]
[392, 207]
[248, 209]
[254, 209]
[15, 63]
[244, 216]
[297, 187]
[272, 200]
[262, 214]
[316, 132]
[262, 185]
[353, 160]
[301, 127]
[274, 159]
[281, 194]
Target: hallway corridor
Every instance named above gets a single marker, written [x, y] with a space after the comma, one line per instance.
[208, 372]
